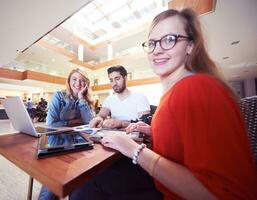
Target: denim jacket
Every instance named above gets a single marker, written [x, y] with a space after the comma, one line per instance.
[62, 109]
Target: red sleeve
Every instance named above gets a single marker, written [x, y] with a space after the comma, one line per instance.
[216, 147]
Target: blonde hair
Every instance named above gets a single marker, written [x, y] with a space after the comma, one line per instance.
[69, 91]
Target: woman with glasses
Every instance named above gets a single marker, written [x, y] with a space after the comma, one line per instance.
[200, 146]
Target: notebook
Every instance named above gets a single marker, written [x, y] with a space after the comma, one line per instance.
[20, 119]
[51, 143]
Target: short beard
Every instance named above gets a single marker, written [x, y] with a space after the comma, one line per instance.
[121, 89]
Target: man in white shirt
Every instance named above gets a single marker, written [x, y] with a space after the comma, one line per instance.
[124, 106]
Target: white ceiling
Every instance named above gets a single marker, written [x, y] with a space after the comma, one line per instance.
[24, 22]
[233, 20]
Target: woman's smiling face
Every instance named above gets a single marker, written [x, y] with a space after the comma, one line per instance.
[165, 62]
[77, 83]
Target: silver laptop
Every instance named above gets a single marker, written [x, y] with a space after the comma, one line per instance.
[20, 119]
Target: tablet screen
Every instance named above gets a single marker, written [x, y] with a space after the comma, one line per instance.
[70, 139]
[63, 139]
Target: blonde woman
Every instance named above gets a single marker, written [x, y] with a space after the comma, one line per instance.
[74, 106]
[69, 108]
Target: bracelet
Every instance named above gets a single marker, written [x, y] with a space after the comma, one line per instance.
[153, 163]
[137, 152]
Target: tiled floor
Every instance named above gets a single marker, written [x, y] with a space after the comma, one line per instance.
[6, 127]
[13, 181]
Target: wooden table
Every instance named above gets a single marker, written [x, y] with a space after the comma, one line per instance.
[61, 173]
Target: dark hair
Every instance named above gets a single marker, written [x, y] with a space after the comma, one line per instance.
[198, 60]
[118, 68]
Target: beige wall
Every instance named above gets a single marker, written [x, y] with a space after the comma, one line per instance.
[48, 97]
[4, 93]
[102, 97]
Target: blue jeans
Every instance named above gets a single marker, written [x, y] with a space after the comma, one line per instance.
[46, 194]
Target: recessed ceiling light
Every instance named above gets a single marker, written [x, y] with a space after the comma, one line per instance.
[116, 24]
[53, 59]
[137, 14]
[236, 76]
[235, 42]
[225, 57]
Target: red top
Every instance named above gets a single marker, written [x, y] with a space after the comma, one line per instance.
[199, 125]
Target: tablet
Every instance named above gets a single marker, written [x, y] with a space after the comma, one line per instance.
[53, 143]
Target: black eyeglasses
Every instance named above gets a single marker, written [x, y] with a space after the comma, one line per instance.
[167, 42]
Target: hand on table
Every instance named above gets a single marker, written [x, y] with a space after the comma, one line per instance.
[140, 127]
[121, 143]
[112, 123]
[97, 122]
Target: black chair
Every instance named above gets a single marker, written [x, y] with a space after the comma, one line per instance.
[153, 109]
[148, 117]
[248, 107]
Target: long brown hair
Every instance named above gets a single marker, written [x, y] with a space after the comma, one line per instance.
[198, 60]
[69, 91]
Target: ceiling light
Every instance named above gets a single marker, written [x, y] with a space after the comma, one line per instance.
[226, 57]
[116, 24]
[235, 42]
[137, 14]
